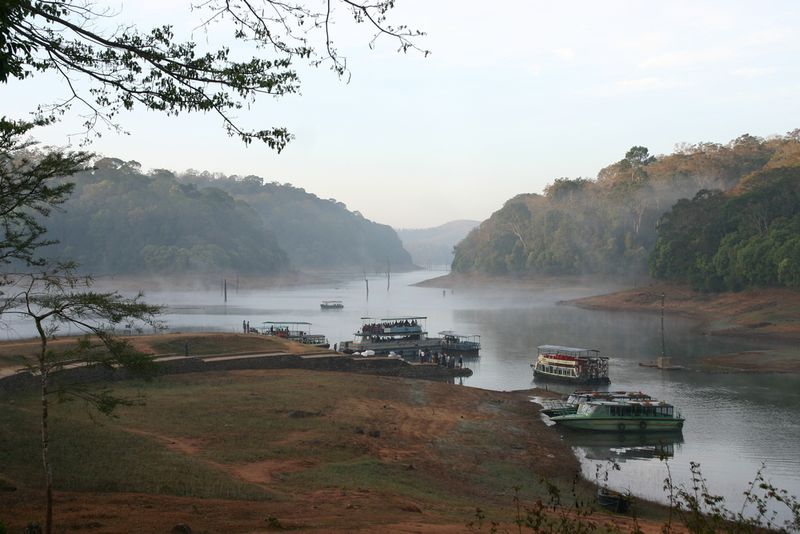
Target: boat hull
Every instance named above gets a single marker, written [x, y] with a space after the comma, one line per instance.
[409, 348]
[566, 379]
[616, 424]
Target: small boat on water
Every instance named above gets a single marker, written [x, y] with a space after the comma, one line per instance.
[458, 344]
[296, 331]
[623, 416]
[570, 364]
[552, 408]
[331, 305]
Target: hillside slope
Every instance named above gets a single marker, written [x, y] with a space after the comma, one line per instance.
[434, 246]
[315, 233]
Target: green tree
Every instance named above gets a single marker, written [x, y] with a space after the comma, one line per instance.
[126, 67]
[28, 191]
[56, 297]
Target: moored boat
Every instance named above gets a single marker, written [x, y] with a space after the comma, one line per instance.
[570, 364]
[296, 331]
[623, 416]
[331, 305]
[571, 403]
[405, 336]
[458, 344]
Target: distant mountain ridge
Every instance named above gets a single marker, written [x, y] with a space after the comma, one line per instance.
[434, 246]
[122, 220]
[315, 233]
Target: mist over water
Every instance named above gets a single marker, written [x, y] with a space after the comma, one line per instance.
[734, 422]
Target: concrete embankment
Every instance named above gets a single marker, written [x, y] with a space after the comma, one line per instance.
[25, 380]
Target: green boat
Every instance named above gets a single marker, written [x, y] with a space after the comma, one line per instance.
[623, 416]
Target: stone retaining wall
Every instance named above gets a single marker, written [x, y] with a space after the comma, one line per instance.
[26, 381]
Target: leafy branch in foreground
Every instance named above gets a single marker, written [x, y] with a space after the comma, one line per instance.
[27, 190]
[701, 511]
[54, 298]
[692, 509]
[124, 66]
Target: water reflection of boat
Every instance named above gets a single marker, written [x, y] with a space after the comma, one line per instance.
[569, 364]
[625, 446]
[295, 331]
[623, 416]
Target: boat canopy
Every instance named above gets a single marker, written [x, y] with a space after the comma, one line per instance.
[569, 351]
[287, 323]
[466, 337]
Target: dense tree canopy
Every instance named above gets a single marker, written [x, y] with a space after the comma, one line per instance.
[315, 233]
[124, 66]
[28, 191]
[120, 220]
[744, 204]
[749, 237]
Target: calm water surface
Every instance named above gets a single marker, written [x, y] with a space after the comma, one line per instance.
[734, 422]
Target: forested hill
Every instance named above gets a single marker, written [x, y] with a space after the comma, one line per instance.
[738, 231]
[315, 233]
[119, 220]
[434, 246]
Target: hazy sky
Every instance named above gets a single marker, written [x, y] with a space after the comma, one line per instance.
[514, 95]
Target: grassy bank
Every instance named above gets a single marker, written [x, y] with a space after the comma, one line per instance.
[265, 450]
[323, 451]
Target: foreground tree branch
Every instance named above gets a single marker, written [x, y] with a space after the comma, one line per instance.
[126, 67]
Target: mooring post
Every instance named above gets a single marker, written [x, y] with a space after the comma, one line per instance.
[663, 350]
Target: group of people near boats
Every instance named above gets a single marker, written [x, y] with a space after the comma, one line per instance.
[445, 360]
[377, 328]
[381, 339]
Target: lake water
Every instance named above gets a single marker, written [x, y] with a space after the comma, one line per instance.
[734, 422]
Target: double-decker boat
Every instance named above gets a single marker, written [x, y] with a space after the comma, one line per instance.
[570, 405]
[405, 336]
[623, 416]
[570, 364]
[458, 344]
[331, 305]
[294, 330]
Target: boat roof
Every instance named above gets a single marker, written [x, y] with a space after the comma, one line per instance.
[451, 333]
[617, 402]
[565, 349]
[331, 301]
[287, 323]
